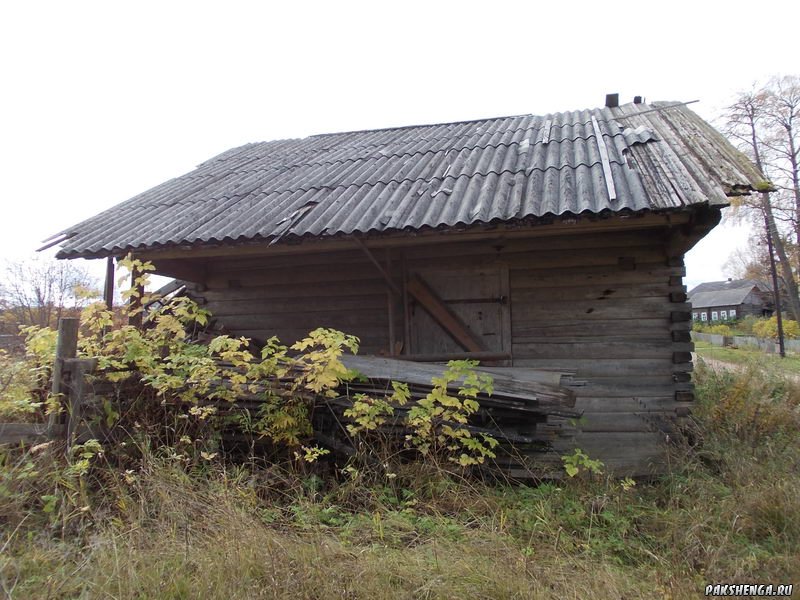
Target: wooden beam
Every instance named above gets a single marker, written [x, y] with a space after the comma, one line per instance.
[108, 292]
[390, 298]
[406, 308]
[444, 357]
[194, 271]
[500, 232]
[442, 314]
[375, 262]
[684, 237]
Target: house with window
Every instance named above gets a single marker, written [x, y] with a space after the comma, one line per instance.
[730, 300]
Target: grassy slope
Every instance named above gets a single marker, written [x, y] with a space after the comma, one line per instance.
[176, 526]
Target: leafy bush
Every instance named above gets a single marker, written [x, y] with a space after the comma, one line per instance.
[745, 325]
[768, 328]
[720, 329]
[714, 328]
[162, 360]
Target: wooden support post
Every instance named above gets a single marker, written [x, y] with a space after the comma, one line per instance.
[442, 314]
[66, 348]
[406, 309]
[108, 292]
[390, 298]
[135, 305]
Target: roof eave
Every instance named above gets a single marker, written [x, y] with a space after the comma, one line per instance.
[658, 217]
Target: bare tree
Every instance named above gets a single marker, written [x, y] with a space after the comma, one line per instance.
[764, 123]
[38, 291]
[750, 262]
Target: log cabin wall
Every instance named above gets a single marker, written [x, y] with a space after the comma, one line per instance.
[608, 306]
[288, 296]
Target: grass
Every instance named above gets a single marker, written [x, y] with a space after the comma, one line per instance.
[746, 356]
[167, 524]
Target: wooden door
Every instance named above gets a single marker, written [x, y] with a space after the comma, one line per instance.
[479, 297]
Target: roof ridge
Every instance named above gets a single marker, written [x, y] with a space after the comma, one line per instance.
[496, 118]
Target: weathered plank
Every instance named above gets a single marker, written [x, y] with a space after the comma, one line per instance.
[25, 433]
[319, 304]
[443, 315]
[543, 277]
[597, 291]
[614, 422]
[423, 373]
[598, 348]
[547, 259]
[577, 328]
[333, 289]
[589, 367]
[624, 404]
[291, 276]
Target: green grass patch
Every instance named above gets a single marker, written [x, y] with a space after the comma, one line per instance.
[746, 356]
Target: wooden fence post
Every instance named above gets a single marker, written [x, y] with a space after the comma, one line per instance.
[66, 348]
[77, 368]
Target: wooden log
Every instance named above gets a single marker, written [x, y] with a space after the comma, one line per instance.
[305, 291]
[580, 275]
[598, 348]
[66, 348]
[321, 304]
[479, 356]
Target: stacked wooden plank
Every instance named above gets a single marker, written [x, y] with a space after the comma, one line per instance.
[526, 412]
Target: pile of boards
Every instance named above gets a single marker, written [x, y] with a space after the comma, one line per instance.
[526, 411]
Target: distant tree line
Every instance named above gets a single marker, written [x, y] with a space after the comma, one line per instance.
[40, 290]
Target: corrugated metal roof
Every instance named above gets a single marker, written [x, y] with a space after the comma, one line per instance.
[729, 284]
[493, 170]
[722, 293]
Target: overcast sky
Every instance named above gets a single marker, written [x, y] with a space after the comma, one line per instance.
[102, 100]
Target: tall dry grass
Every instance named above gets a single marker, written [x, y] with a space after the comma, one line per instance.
[169, 525]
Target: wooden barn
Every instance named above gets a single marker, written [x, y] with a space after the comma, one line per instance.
[530, 242]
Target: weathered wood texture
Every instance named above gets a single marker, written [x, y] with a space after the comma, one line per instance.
[608, 307]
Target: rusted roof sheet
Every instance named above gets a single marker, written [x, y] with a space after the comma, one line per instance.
[431, 176]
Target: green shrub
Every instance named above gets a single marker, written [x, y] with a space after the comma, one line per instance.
[717, 327]
[720, 329]
[768, 328]
[745, 325]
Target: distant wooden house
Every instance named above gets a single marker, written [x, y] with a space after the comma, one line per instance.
[531, 242]
[730, 300]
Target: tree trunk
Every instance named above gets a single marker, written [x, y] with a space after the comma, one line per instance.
[785, 265]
